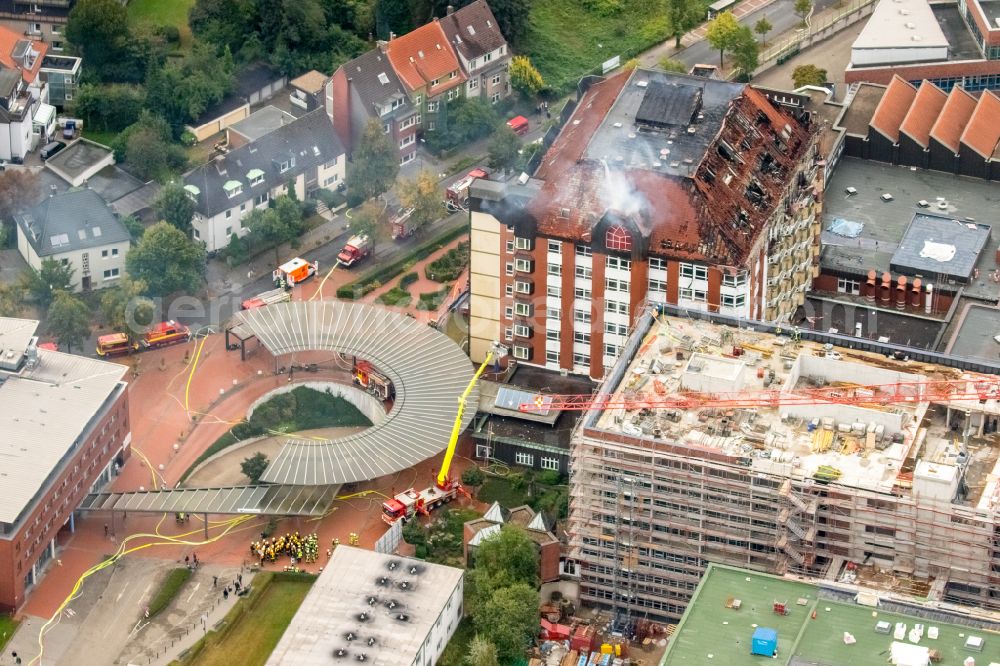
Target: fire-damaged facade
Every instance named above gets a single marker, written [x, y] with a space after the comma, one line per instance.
[659, 188]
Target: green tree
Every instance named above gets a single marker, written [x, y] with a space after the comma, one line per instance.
[109, 108]
[125, 308]
[272, 228]
[472, 119]
[370, 220]
[512, 17]
[423, 195]
[762, 27]
[802, 9]
[69, 320]
[134, 226]
[146, 148]
[175, 205]
[672, 65]
[99, 31]
[392, 16]
[181, 91]
[509, 620]
[745, 52]
[524, 77]
[481, 653]
[723, 34]
[808, 75]
[11, 299]
[504, 149]
[510, 556]
[683, 16]
[374, 165]
[254, 466]
[166, 260]
[473, 477]
[41, 284]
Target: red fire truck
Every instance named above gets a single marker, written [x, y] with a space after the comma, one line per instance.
[457, 195]
[408, 503]
[373, 381]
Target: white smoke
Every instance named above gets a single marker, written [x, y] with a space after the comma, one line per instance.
[618, 193]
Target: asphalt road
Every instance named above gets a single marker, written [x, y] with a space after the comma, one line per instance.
[780, 14]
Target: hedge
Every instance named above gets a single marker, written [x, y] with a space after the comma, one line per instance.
[171, 587]
[407, 280]
[385, 272]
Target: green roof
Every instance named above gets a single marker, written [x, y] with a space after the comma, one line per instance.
[255, 173]
[711, 633]
[232, 185]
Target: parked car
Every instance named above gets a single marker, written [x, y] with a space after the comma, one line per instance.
[51, 149]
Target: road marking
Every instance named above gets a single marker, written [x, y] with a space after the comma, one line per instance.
[191, 596]
[122, 593]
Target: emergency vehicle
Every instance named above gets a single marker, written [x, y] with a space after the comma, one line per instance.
[373, 381]
[293, 272]
[457, 194]
[278, 295]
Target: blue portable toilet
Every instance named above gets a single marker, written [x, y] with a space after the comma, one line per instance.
[765, 642]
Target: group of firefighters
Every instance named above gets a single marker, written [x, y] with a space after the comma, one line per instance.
[299, 548]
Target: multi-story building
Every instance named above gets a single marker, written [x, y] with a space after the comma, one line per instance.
[62, 76]
[65, 423]
[886, 475]
[367, 88]
[679, 189]
[482, 50]
[304, 154]
[429, 71]
[946, 43]
[77, 229]
[44, 20]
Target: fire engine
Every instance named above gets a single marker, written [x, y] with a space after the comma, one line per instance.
[373, 381]
[159, 335]
[411, 502]
[278, 295]
[457, 195]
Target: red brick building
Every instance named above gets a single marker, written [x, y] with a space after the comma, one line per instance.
[661, 188]
[66, 425]
[534, 525]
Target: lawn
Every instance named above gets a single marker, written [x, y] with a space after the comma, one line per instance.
[257, 632]
[163, 12]
[8, 626]
[570, 38]
[458, 647]
[103, 138]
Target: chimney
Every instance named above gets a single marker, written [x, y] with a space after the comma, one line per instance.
[450, 10]
[929, 303]
[901, 293]
[870, 287]
[392, 36]
[915, 295]
[885, 291]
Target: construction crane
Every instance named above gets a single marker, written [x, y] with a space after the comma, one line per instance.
[411, 502]
[979, 388]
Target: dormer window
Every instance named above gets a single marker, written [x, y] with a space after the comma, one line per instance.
[286, 164]
[435, 82]
[255, 176]
[453, 74]
[233, 188]
[192, 192]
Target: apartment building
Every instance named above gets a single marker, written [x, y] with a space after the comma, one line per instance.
[57, 449]
[819, 455]
[666, 187]
[43, 20]
[481, 49]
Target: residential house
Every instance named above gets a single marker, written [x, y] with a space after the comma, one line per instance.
[78, 229]
[535, 525]
[62, 76]
[40, 19]
[429, 70]
[28, 120]
[482, 50]
[307, 90]
[366, 88]
[304, 154]
[25, 55]
[15, 116]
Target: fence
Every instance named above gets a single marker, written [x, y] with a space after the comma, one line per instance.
[779, 52]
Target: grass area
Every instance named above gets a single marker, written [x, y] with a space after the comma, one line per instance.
[458, 647]
[570, 38]
[395, 296]
[302, 408]
[450, 265]
[433, 299]
[103, 138]
[163, 13]
[546, 492]
[440, 540]
[169, 590]
[253, 627]
[8, 626]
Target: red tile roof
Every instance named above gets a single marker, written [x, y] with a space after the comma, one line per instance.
[982, 134]
[422, 56]
[954, 115]
[8, 40]
[892, 109]
[924, 111]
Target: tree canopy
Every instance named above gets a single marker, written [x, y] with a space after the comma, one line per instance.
[374, 165]
[808, 75]
[683, 16]
[43, 283]
[99, 31]
[524, 77]
[181, 91]
[509, 620]
[509, 557]
[125, 308]
[147, 150]
[504, 149]
[370, 220]
[254, 466]
[110, 107]
[69, 320]
[762, 27]
[175, 206]
[423, 195]
[745, 50]
[167, 261]
[18, 190]
[723, 34]
[481, 653]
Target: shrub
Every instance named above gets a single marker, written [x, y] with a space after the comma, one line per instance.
[450, 265]
[331, 198]
[407, 280]
[170, 588]
[395, 296]
[431, 300]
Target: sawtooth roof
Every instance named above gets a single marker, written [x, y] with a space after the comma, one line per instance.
[954, 116]
[484, 36]
[892, 108]
[982, 133]
[425, 55]
[925, 110]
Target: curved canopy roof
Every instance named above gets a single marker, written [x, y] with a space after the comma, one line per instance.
[428, 370]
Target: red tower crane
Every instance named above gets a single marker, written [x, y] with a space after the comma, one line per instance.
[979, 388]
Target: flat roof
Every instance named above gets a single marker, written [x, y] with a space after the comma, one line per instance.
[901, 23]
[15, 335]
[78, 157]
[311, 501]
[858, 115]
[936, 245]
[262, 121]
[885, 223]
[43, 413]
[356, 582]
[713, 630]
[974, 337]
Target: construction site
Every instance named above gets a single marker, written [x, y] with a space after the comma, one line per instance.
[787, 452]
